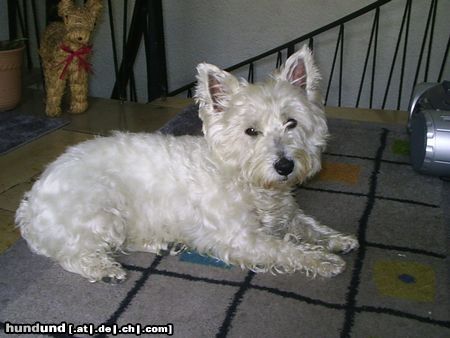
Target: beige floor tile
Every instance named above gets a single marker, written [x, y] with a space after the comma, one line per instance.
[9, 234]
[105, 115]
[173, 102]
[10, 199]
[29, 160]
[368, 115]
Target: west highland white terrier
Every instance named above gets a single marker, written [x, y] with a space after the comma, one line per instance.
[227, 194]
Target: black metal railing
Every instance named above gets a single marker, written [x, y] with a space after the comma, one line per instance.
[404, 89]
[145, 25]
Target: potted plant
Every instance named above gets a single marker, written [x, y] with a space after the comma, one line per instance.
[11, 59]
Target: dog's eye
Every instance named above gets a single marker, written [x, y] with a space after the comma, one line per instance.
[291, 124]
[252, 132]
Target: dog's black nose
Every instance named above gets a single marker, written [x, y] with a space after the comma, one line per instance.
[284, 166]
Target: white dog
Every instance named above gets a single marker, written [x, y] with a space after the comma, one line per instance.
[227, 194]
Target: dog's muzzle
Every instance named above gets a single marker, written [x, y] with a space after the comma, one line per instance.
[284, 166]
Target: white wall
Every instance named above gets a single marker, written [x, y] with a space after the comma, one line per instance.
[224, 32]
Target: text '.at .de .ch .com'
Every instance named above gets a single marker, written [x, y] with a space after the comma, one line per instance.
[90, 329]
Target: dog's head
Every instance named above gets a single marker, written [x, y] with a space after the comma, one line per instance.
[79, 20]
[273, 132]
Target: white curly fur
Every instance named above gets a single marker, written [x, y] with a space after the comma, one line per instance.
[222, 194]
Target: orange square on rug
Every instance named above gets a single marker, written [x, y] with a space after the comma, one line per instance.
[339, 172]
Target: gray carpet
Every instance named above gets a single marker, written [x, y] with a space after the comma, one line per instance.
[396, 285]
[17, 129]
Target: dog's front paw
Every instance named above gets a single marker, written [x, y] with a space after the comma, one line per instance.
[113, 274]
[330, 265]
[112, 280]
[342, 243]
[323, 263]
[116, 275]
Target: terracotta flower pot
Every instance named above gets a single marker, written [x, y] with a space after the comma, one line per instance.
[10, 75]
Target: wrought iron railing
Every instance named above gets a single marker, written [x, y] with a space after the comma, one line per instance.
[146, 24]
[401, 50]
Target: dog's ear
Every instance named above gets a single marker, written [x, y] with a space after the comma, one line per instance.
[64, 7]
[301, 72]
[214, 87]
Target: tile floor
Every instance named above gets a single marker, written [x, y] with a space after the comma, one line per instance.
[19, 168]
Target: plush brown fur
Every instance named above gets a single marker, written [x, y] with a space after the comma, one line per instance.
[59, 66]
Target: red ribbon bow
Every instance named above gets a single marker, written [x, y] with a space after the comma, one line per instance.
[80, 54]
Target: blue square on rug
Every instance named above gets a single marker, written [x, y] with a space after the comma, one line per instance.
[194, 257]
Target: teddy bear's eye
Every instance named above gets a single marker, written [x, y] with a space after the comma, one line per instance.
[252, 132]
[291, 124]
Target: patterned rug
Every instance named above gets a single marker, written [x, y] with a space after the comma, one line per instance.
[17, 130]
[396, 284]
